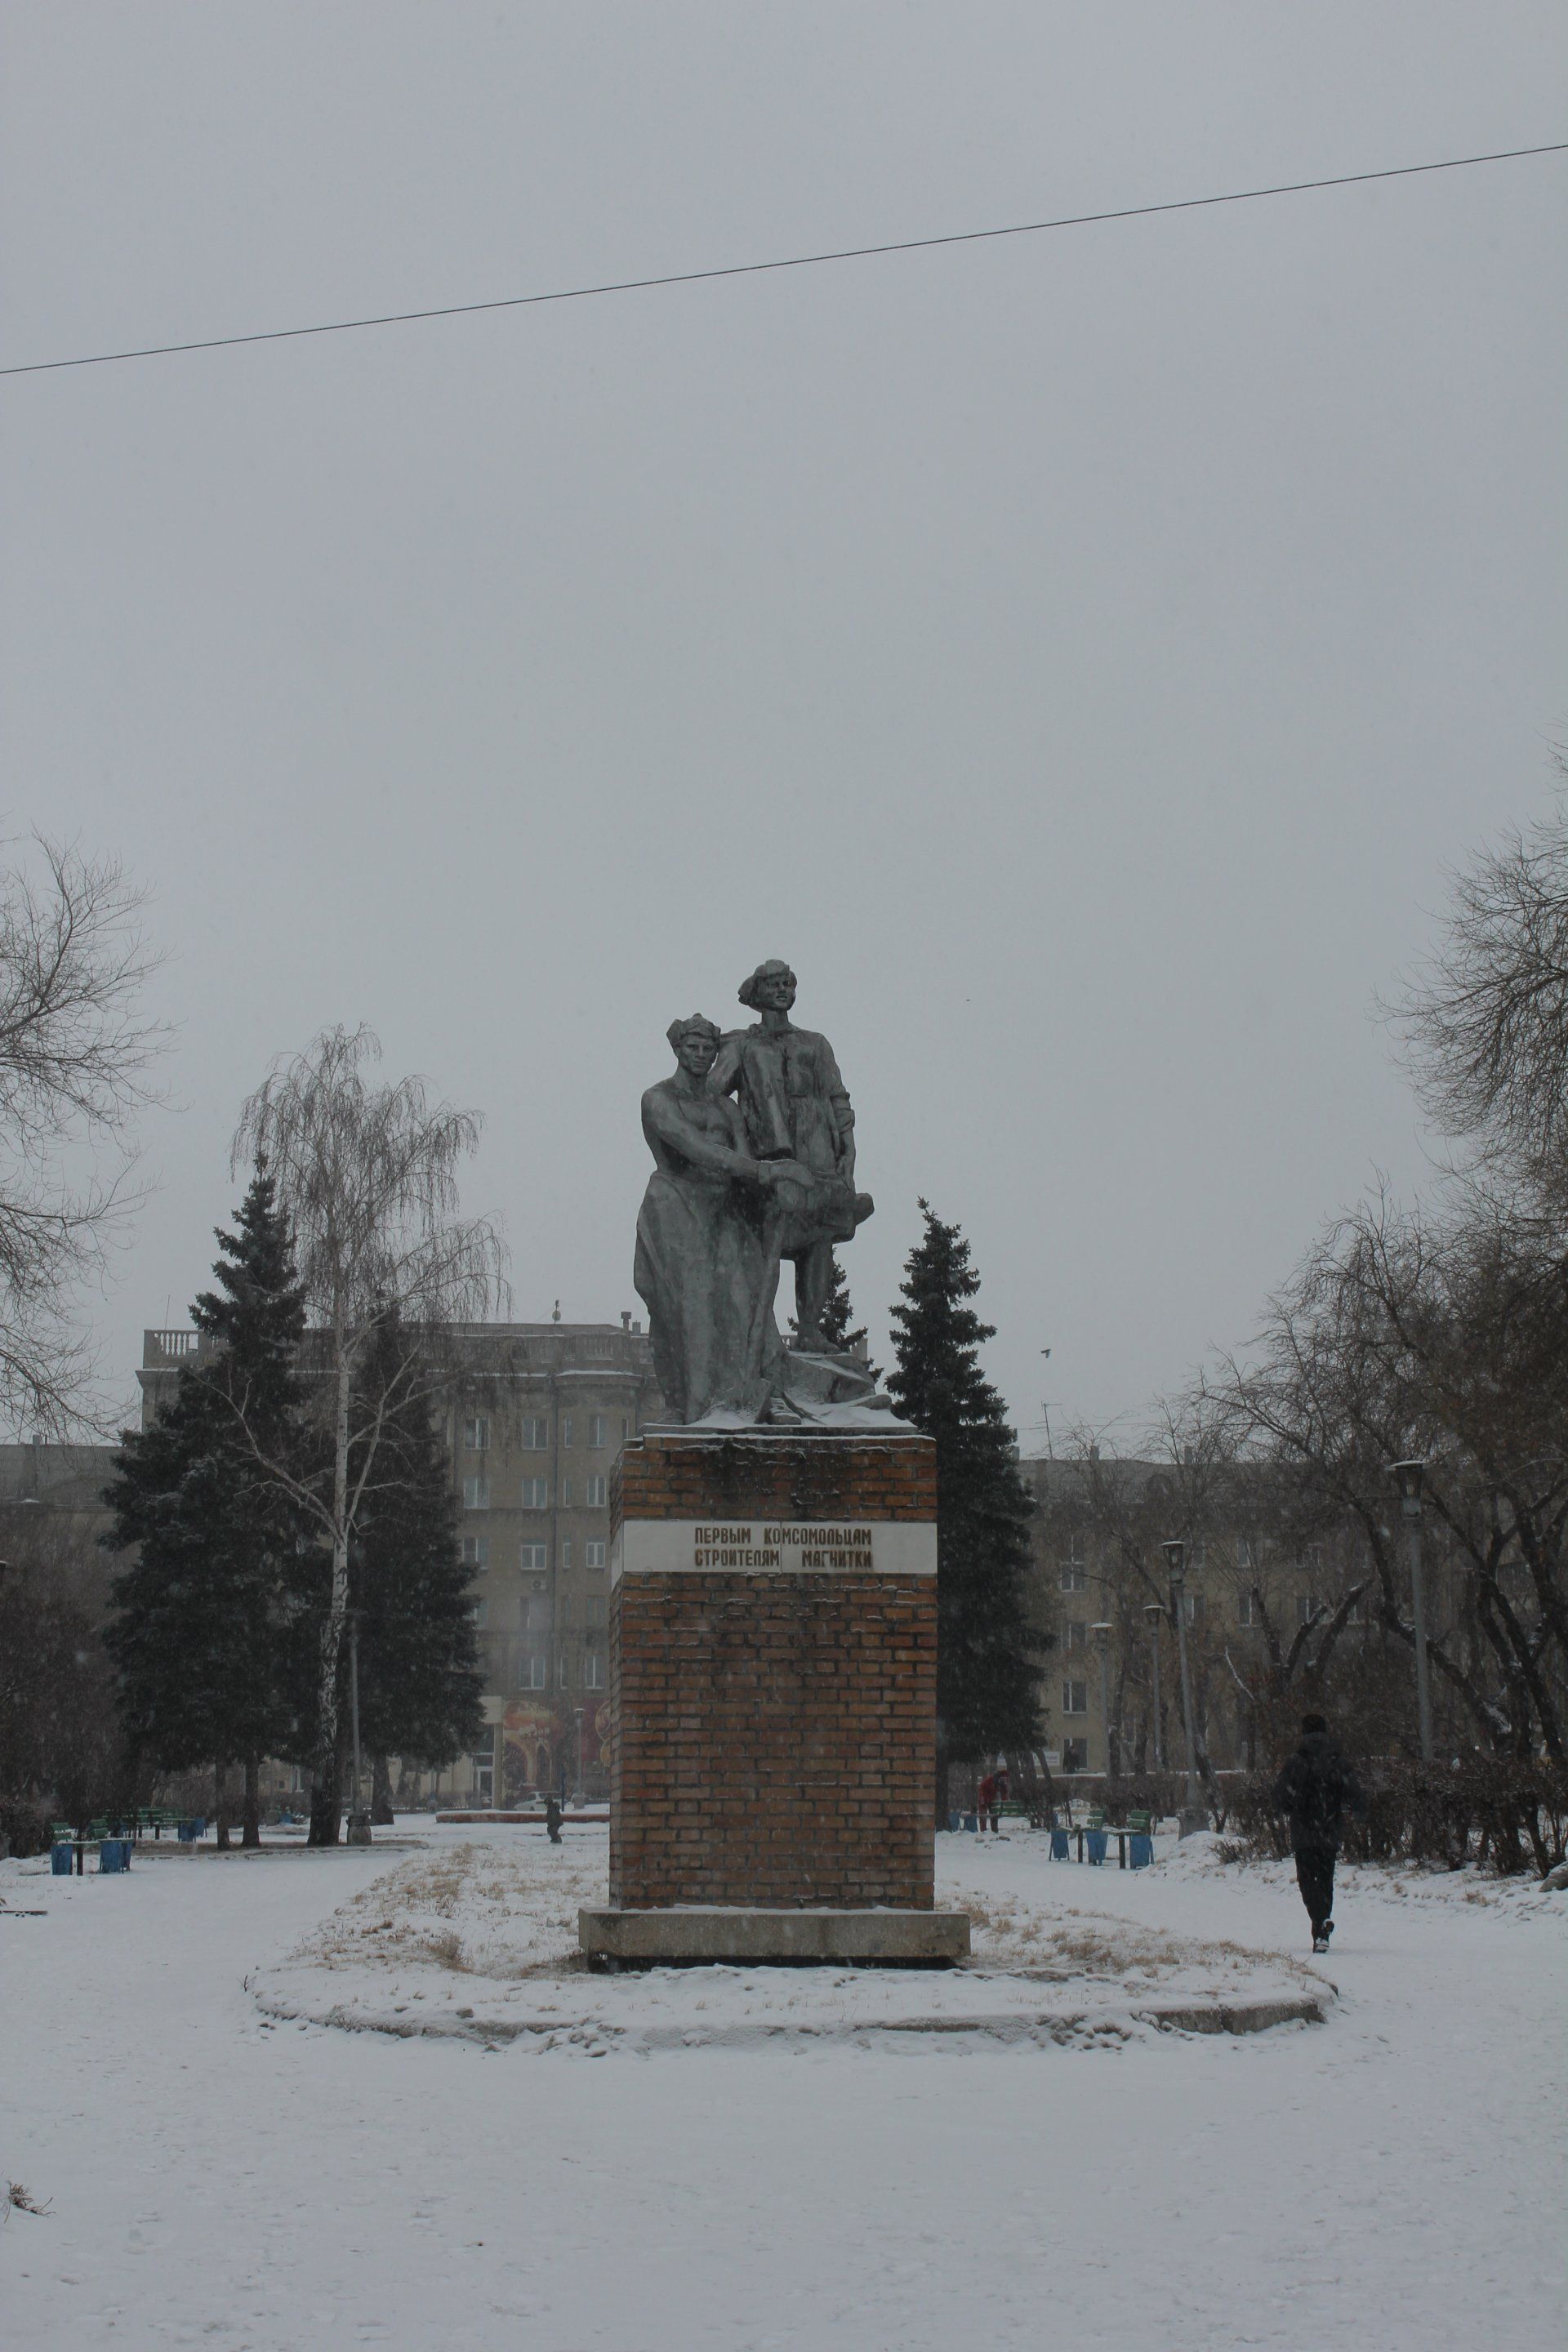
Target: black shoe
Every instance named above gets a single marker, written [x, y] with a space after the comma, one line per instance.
[1320, 1943]
[1327, 1931]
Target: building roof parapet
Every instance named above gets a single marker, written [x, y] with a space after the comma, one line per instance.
[68, 1477]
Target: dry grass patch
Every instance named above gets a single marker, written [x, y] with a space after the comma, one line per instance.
[468, 1910]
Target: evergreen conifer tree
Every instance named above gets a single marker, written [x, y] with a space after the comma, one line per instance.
[838, 1324]
[986, 1658]
[838, 1315]
[197, 1632]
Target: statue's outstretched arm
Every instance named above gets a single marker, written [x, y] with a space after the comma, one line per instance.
[725, 1074]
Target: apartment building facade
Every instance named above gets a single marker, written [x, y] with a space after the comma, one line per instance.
[1258, 1593]
[533, 1416]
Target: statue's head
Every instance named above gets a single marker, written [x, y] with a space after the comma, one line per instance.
[771, 988]
[696, 1044]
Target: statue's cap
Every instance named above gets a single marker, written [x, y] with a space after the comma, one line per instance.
[693, 1021]
[747, 991]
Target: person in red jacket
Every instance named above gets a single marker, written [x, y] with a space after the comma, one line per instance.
[990, 1797]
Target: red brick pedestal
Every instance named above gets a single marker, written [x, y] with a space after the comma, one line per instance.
[773, 1691]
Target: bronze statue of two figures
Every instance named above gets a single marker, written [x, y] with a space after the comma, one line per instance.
[753, 1145]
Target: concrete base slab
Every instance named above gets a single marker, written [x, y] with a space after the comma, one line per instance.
[696, 1935]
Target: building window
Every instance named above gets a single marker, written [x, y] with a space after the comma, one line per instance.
[597, 1425]
[596, 1493]
[475, 1551]
[535, 1675]
[479, 1610]
[533, 1559]
[1244, 1562]
[564, 1671]
[1245, 1609]
[476, 1494]
[1197, 1555]
[1078, 1635]
[534, 1436]
[565, 1429]
[593, 1671]
[1195, 1601]
[626, 1428]
[566, 1494]
[1075, 1755]
[594, 1555]
[594, 1347]
[566, 1555]
[477, 1433]
[1075, 1698]
[535, 1493]
[1306, 1608]
[1074, 1577]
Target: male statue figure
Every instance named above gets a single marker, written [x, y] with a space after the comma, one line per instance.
[794, 1107]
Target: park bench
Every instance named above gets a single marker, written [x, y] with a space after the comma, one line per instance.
[1135, 1843]
[69, 1847]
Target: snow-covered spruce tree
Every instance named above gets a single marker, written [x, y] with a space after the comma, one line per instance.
[198, 1619]
[838, 1324]
[986, 1651]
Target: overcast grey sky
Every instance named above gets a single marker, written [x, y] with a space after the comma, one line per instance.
[1078, 654]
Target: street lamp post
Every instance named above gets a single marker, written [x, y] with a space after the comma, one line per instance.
[1154, 1617]
[1409, 1476]
[1102, 1643]
[1194, 1816]
[578, 1713]
[359, 1820]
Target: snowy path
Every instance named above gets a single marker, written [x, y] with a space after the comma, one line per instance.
[1392, 2179]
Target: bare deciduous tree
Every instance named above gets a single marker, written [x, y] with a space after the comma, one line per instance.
[367, 1175]
[75, 1048]
[1410, 1333]
[1487, 1023]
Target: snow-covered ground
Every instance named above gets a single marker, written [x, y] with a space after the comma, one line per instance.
[1391, 2178]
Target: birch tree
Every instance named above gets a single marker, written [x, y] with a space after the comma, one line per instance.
[367, 1175]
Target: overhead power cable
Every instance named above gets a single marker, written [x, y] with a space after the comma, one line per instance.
[790, 261]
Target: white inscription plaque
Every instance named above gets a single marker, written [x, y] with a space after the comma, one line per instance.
[774, 1547]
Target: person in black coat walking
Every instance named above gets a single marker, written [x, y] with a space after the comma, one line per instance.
[1314, 1790]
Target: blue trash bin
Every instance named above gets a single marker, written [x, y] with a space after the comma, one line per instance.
[953, 1818]
[60, 1861]
[1140, 1851]
[111, 1855]
[1097, 1841]
[1060, 1849]
[972, 1821]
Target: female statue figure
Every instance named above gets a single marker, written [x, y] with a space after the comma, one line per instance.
[707, 1262]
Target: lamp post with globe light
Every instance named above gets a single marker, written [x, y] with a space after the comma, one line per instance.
[1102, 1643]
[1154, 1617]
[1194, 1816]
[1409, 1477]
